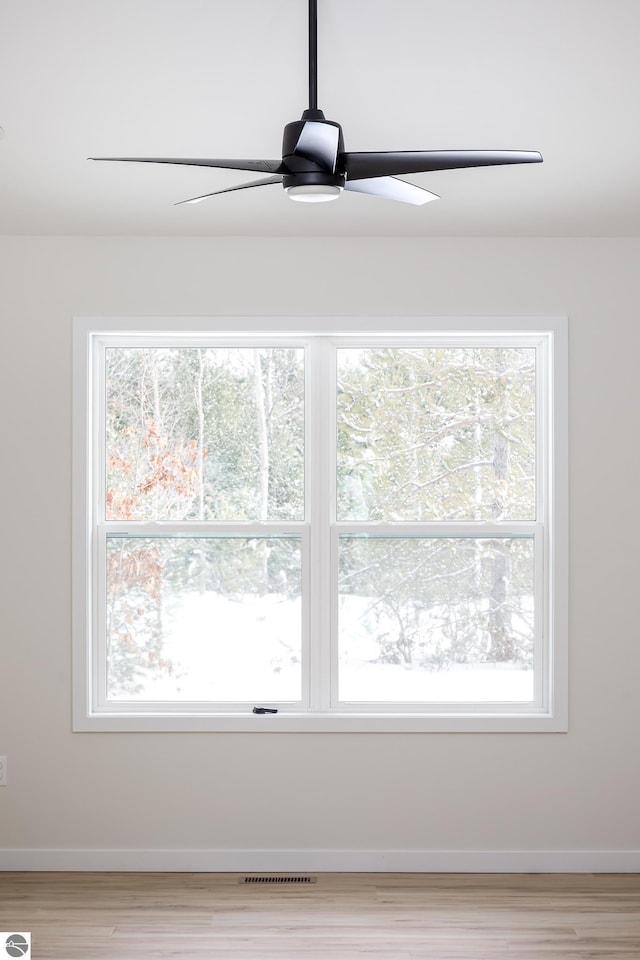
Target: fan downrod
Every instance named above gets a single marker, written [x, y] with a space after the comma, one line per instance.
[313, 54]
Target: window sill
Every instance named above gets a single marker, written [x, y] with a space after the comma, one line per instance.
[323, 723]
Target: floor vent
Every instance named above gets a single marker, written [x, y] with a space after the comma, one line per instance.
[296, 879]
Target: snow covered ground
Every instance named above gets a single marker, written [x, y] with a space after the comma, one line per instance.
[224, 650]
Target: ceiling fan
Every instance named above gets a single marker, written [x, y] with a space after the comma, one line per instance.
[316, 167]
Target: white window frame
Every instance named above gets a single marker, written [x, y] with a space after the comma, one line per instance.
[319, 710]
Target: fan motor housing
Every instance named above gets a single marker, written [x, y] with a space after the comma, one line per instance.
[297, 161]
[310, 177]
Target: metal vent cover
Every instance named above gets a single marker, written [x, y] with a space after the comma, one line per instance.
[299, 878]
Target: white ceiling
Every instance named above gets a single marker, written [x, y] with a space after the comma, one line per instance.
[206, 78]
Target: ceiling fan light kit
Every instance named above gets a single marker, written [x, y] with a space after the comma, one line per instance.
[313, 192]
[315, 166]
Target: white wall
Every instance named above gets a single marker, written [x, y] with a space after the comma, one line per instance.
[450, 792]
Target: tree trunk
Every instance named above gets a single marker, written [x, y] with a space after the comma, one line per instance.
[263, 461]
[502, 648]
[200, 451]
[202, 553]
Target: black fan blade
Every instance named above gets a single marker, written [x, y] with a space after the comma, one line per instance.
[239, 186]
[391, 189]
[361, 166]
[257, 166]
[318, 142]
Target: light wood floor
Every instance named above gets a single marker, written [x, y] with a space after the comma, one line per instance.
[115, 916]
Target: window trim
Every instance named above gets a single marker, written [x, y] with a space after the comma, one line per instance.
[551, 716]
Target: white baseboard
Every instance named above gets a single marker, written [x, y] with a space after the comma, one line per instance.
[324, 861]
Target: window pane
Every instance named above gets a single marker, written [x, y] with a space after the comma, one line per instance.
[440, 433]
[442, 619]
[204, 434]
[203, 619]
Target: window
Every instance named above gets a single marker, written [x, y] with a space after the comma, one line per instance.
[359, 528]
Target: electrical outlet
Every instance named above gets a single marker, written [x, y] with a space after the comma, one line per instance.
[3, 771]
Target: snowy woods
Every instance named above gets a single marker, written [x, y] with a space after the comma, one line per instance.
[201, 436]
